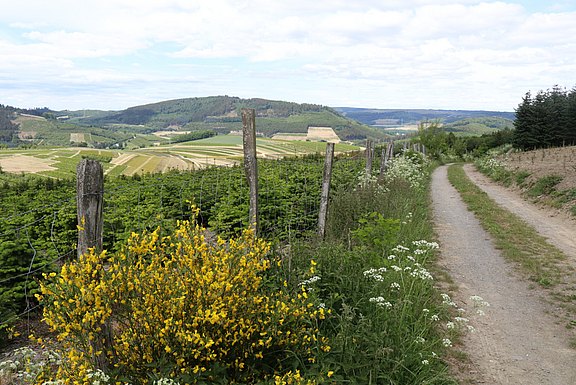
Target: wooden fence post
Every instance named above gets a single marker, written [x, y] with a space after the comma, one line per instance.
[89, 200]
[325, 189]
[250, 162]
[383, 161]
[386, 158]
[369, 157]
[390, 152]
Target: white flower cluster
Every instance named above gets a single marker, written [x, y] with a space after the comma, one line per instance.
[310, 281]
[375, 274]
[446, 300]
[479, 303]
[25, 364]
[426, 245]
[421, 272]
[380, 301]
[408, 169]
[165, 381]
[490, 165]
[365, 180]
[97, 377]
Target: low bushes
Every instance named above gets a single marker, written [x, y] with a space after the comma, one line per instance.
[179, 307]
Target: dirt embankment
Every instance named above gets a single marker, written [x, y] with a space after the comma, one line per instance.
[559, 161]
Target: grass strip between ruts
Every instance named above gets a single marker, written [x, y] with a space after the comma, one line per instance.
[517, 240]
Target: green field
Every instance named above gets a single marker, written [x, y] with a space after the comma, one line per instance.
[221, 150]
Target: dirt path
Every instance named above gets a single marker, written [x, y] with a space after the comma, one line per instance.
[517, 341]
[558, 229]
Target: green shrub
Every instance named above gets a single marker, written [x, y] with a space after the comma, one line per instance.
[179, 307]
[521, 177]
[544, 186]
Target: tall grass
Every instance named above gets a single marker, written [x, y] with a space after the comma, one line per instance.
[388, 323]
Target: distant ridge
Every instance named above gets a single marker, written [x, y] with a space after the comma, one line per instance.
[385, 117]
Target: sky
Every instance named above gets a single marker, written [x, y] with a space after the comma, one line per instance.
[433, 54]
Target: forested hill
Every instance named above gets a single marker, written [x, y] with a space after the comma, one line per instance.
[204, 109]
[413, 116]
[222, 114]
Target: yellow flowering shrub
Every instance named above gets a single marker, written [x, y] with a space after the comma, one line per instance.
[179, 307]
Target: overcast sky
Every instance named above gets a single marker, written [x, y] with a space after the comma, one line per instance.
[113, 54]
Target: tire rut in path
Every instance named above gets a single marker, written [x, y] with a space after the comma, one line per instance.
[517, 341]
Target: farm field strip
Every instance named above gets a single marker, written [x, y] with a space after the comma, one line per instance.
[222, 150]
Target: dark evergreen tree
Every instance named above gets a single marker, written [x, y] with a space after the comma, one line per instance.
[523, 123]
[546, 120]
[570, 132]
[556, 115]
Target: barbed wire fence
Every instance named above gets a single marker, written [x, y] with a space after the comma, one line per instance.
[41, 236]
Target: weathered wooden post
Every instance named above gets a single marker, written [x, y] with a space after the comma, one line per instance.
[390, 152]
[89, 200]
[369, 157]
[325, 189]
[250, 163]
[386, 158]
[383, 161]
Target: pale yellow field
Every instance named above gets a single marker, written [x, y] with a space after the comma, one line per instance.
[28, 164]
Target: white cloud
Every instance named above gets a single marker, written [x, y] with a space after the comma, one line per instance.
[419, 50]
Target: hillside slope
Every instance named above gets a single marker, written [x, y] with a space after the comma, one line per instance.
[479, 126]
[222, 114]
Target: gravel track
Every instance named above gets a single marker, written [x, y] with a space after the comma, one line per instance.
[556, 227]
[518, 340]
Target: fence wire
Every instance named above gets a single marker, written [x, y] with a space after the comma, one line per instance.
[38, 226]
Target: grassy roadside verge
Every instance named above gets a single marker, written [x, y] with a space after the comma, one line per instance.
[541, 262]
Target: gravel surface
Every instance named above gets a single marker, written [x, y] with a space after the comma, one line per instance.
[518, 340]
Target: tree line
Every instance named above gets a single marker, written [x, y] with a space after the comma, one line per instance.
[547, 119]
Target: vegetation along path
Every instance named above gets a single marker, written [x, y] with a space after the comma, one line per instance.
[517, 340]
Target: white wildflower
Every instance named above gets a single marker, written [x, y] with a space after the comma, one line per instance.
[310, 281]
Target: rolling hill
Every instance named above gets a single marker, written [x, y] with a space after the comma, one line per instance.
[222, 114]
[390, 117]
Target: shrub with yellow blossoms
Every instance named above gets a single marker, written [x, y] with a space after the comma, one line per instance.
[179, 307]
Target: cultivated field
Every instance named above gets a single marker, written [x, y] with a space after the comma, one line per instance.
[222, 150]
